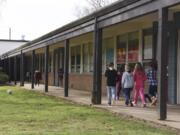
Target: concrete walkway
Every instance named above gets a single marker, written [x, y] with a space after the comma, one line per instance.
[148, 114]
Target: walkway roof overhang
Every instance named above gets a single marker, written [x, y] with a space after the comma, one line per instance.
[117, 12]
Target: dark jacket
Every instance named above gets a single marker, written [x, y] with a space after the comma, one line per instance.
[111, 77]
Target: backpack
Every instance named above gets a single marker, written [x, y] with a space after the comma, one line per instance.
[129, 81]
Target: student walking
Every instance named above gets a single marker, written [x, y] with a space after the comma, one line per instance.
[139, 79]
[152, 79]
[118, 83]
[127, 84]
[111, 74]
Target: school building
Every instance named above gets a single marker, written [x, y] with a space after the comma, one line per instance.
[127, 31]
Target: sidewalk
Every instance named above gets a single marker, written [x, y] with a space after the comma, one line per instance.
[148, 114]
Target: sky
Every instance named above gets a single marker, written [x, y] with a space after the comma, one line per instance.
[34, 18]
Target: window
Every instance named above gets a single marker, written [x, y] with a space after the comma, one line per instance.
[75, 59]
[85, 58]
[127, 48]
[103, 58]
[88, 57]
[37, 62]
[50, 62]
[41, 62]
[147, 44]
[121, 49]
[91, 57]
[78, 58]
[133, 47]
[107, 52]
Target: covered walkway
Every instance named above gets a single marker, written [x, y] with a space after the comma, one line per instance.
[148, 114]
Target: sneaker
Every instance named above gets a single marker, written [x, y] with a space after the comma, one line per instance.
[113, 102]
[133, 103]
[144, 105]
[109, 104]
[154, 101]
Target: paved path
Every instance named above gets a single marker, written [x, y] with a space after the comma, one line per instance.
[149, 114]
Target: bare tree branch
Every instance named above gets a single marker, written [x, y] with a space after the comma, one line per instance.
[93, 5]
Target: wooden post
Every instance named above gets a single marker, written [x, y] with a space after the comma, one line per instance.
[32, 69]
[97, 73]
[6, 66]
[54, 79]
[15, 70]
[9, 69]
[162, 57]
[66, 68]
[58, 64]
[22, 69]
[155, 35]
[46, 67]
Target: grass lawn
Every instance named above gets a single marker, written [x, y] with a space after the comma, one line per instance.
[31, 113]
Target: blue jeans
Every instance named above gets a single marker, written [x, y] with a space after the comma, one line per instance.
[153, 90]
[111, 93]
[127, 93]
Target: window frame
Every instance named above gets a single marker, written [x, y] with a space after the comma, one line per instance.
[75, 59]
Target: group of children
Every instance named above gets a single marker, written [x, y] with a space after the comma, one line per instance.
[129, 81]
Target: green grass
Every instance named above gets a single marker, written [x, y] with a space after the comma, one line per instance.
[31, 113]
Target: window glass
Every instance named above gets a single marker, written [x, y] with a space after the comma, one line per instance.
[91, 57]
[42, 62]
[75, 58]
[49, 64]
[133, 47]
[148, 47]
[73, 53]
[85, 58]
[121, 49]
[103, 57]
[78, 58]
[37, 62]
[109, 50]
[147, 44]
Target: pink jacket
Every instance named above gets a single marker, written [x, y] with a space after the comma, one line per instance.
[139, 78]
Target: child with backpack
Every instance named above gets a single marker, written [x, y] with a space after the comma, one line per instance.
[127, 84]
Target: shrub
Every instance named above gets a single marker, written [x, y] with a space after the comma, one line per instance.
[3, 78]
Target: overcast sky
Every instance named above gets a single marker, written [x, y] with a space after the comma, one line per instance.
[34, 18]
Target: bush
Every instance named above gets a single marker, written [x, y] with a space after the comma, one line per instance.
[3, 78]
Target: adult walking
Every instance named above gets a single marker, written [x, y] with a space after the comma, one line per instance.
[111, 74]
